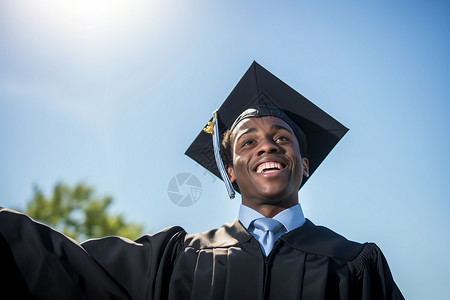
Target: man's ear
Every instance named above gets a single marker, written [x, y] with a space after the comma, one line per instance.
[305, 163]
[230, 172]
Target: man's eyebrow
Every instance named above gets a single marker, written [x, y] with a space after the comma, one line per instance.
[273, 127]
[250, 130]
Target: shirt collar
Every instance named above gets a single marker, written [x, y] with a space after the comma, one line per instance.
[291, 217]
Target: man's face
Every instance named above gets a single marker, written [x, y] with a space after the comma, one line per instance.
[267, 163]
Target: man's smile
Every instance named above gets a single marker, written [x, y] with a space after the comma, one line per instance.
[269, 167]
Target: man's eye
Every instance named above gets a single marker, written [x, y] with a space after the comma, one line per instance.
[281, 139]
[247, 143]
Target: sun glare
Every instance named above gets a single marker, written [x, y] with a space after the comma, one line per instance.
[88, 19]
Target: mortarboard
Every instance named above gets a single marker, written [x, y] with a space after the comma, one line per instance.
[260, 87]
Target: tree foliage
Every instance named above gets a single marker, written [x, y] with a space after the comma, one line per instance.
[79, 213]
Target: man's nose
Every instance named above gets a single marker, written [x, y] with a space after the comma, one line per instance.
[267, 146]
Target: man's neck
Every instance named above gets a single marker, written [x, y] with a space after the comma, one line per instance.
[269, 210]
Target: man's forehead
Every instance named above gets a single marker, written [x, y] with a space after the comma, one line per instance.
[260, 123]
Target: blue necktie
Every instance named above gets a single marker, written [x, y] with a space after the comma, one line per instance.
[268, 233]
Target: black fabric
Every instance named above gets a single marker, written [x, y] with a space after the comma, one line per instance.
[310, 262]
[10, 276]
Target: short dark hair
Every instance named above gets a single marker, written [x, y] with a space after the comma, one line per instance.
[225, 149]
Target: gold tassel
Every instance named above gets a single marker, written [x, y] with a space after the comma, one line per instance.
[209, 128]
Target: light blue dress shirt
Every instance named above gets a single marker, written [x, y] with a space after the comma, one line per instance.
[291, 218]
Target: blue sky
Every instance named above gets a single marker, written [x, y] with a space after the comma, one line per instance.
[111, 93]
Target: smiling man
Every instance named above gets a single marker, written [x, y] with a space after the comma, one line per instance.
[266, 142]
[273, 140]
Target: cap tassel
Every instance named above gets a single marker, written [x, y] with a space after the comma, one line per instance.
[219, 162]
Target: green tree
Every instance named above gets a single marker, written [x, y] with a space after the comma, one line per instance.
[79, 213]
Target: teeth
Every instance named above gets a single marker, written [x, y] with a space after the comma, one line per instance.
[268, 165]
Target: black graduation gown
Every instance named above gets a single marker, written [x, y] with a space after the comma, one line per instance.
[310, 262]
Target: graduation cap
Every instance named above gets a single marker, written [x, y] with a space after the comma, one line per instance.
[260, 87]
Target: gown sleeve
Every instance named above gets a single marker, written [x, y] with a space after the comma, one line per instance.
[39, 262]
[373, 276]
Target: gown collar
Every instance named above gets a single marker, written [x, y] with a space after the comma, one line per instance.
[308, 238]
[225, 236]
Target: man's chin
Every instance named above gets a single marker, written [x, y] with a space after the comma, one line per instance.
[275, 191]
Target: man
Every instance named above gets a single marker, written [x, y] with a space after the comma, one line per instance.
[273, 140]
